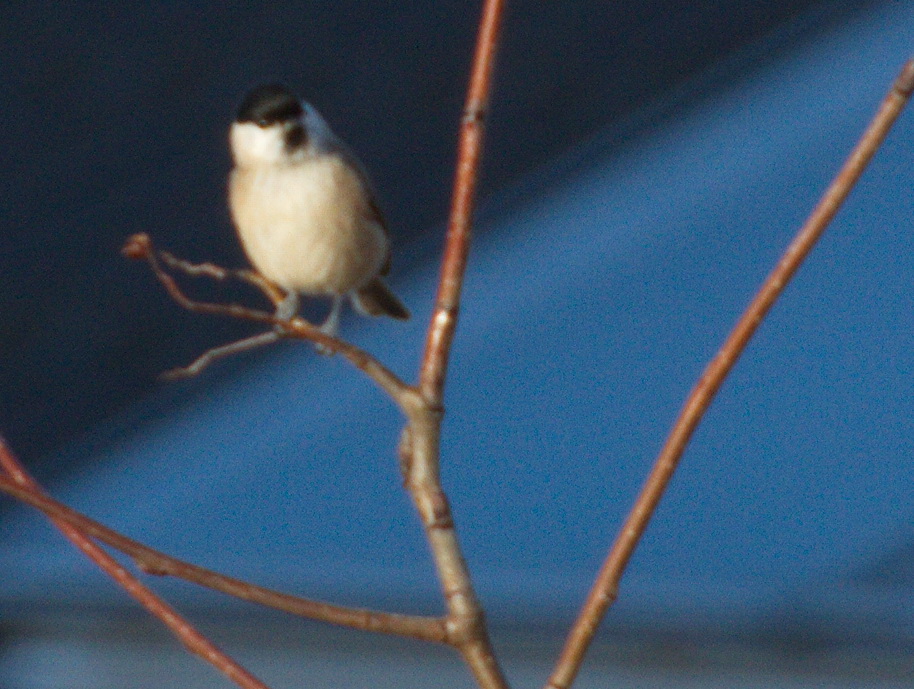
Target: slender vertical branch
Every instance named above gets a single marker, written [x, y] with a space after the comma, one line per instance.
[606, 587]
[422, 439]
[192, 639]
[457, 245]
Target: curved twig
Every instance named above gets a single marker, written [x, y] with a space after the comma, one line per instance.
[606, 586]
[140, 247]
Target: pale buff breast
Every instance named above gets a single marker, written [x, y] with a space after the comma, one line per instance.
[307, 227]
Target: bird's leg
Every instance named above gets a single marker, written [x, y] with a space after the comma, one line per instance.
[331, 326]
[288, 307]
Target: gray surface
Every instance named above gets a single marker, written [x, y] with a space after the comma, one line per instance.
[93, 655]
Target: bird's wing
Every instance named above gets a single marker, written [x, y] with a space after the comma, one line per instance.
[373, 210]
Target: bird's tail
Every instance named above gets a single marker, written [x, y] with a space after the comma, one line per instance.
[376, 299]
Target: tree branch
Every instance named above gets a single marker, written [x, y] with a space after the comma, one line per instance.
[140, 247]
[154, 562]
[606, 587]
[465, 624]
[193, 640]
[457, 244]
[420, 449]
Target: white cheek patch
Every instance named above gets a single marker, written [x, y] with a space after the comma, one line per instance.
[252, 145]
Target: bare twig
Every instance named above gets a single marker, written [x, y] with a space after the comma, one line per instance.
[140, 247]
[154, 562]
[457, 244]
[420, 451]
[606, 586]
[211, 355]
[188, 635]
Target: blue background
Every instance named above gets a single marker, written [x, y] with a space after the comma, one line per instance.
[602, 282]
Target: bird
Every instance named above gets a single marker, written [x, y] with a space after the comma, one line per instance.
[305, 209]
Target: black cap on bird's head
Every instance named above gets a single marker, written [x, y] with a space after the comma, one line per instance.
[269, 104]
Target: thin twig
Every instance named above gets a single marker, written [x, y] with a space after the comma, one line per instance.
[606, 588]
[154, 562]
[457, 244]
[192, 639]
[221, 352]
[420, 449]
[140, 247]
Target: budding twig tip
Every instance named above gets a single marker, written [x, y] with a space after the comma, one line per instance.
[137, 247]
[905, 82]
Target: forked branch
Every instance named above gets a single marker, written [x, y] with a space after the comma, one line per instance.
[464, 624]
[606, 587]
[420, 449]
[140, 247]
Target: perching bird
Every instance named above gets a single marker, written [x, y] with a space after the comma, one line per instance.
[305, 210]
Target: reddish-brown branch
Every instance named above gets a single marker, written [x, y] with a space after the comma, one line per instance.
[606, 587]
[420, 451]
[139, 247]
[457, 244]
[154, 562]
[188, 635]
